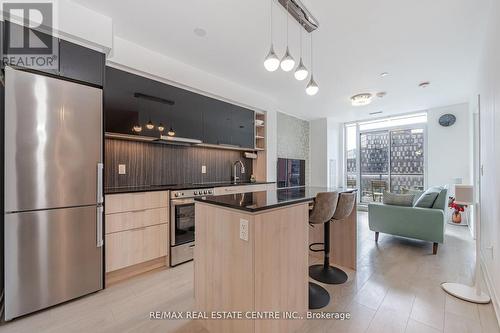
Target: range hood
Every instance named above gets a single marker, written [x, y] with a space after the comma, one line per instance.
[162, 139]
[175, 139]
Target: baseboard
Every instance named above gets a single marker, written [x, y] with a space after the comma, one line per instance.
[132, 271]
[491, 289]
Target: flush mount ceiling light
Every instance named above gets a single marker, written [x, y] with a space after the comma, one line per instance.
[301, 72]
[381, 94]
[272, 62]
[200, 32]
[361, 99]
[384, 74]
[287, 62]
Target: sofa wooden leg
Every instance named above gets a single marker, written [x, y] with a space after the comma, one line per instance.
[435, 248]
[376, 236]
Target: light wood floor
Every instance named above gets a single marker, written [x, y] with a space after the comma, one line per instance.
[396, 289]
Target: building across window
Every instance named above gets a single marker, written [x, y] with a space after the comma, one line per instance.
[391, 155]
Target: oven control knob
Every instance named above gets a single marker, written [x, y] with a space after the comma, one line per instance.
[209, 191]
[206, 192]
[176, 194]
[195, 192]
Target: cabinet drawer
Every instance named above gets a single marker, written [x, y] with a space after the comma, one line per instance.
[135, 219]
[127, 202]
[240, 189]
[132, 247]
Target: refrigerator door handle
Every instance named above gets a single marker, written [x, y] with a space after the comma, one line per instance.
[100, 241]
[100, 169]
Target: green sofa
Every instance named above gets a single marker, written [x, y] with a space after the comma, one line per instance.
[413, 222]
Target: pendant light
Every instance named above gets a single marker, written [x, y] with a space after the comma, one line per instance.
[301, 71]
[287, 62]
[272, 62]
[171, 131]
[150, 125]
[312, 87]
[161, 128]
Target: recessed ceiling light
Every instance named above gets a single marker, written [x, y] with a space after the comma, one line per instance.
[381, 94]
[384, 74]
[376, 112]
[200, 32]
[424, 84]
[361, 99]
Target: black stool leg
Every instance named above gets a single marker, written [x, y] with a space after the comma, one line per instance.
[326, 273]
[318, 296]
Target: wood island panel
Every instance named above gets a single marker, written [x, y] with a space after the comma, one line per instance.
[343, 241]
[269, 272]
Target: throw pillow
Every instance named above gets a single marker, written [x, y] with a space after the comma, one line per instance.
[417, 194]
[398, 199]
[427, 199]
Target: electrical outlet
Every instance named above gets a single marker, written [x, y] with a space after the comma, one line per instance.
[244, 229]
[203, 169]
[122, 169]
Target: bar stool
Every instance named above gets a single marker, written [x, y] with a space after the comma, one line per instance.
[324, 207]
[326, 273]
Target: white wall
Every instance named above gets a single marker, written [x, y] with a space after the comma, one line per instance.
[449, 149]
[326, 152]
[489, 89]
[318, 143]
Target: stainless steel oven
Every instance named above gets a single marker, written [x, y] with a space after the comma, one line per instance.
[182, 224]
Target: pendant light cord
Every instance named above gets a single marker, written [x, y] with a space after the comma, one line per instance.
[287, 19]
[312, 56]
[271, 20]
[300, 34]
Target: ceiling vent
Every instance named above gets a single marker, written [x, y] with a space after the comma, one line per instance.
[300, 13]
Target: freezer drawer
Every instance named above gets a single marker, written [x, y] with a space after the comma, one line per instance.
[51, 256]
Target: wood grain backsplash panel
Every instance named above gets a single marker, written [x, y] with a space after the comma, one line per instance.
[161, 164]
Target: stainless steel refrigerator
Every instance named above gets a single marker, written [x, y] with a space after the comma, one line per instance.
[53, 191]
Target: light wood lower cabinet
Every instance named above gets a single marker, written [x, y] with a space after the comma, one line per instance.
[136, 233]
[135, 219]
[135, 246]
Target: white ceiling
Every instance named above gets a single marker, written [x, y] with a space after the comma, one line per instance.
[415, 41]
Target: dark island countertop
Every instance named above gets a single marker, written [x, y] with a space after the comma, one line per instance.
[173, 187]
[258, 201]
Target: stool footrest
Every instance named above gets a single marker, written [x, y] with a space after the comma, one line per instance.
[317, 244]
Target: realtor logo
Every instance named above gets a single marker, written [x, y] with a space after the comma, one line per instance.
[25, 44]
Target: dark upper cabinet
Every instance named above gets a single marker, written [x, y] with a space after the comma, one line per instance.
[123, 110]
[69, 60]
[80, 63]
[243, 127]
[228, 124]
[216, 122]
[189, 114]
[21, 56]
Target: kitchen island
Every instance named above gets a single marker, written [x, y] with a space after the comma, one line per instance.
[251, 258]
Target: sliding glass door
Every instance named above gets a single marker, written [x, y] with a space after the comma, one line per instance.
[391, 156]
[374, 162]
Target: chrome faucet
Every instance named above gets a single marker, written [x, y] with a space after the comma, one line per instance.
[235, 169]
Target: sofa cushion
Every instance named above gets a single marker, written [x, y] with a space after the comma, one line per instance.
[427, 199]
[441, 200]
[416, 193]
[398, 199]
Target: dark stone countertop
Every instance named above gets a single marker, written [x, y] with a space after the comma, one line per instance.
[173, 187]
[263, 200]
